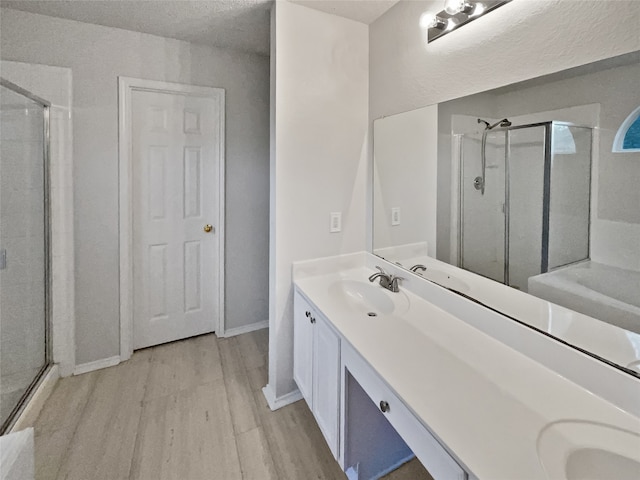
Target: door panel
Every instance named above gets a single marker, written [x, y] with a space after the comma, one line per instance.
[192, 182]
[175, 155]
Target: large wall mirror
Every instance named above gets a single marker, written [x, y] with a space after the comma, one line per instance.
[526, 199]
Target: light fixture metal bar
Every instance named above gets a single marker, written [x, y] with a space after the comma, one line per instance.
[453, 22]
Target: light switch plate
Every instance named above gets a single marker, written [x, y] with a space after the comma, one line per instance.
[395, 216]
[336, 222]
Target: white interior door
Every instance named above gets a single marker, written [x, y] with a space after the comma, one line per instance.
[175, 167]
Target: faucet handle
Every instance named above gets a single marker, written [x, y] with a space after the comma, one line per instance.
[393, 283]
[381, 270]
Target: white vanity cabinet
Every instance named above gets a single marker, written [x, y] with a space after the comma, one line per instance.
[316, 367]
[377, 432]
[431, 454]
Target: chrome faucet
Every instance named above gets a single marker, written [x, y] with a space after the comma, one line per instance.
[417, 267]
[387, 280]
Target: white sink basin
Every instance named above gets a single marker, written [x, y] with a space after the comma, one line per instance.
[581, 450]
[366, 297]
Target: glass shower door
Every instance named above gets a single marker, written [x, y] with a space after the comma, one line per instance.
[528, 224]
[23, 248]
[570, 194]
[482, 215]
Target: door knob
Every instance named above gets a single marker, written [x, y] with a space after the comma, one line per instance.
[208, 228]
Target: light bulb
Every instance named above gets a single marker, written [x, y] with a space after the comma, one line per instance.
[431, 20]
[453, 6]
[479, 10]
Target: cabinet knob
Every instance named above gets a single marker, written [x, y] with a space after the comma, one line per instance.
[384, 406]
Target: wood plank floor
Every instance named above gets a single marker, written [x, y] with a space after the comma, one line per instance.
[188, 410]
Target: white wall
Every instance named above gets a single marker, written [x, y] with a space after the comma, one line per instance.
[97, 56]
[318, 158]
[405, 177]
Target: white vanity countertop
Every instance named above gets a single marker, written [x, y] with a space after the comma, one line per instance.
[486, 402]
[608, 341]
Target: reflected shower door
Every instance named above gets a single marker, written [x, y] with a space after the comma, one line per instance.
[23, 244]
[527, 224]
[570, 195]
[482, 216]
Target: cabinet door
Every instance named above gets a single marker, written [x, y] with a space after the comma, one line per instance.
[303, 346]
[326, 382]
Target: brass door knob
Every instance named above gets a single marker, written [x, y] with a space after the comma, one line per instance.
[208, 228]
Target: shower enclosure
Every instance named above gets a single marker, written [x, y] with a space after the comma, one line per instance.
[532, 213]
[24, 247]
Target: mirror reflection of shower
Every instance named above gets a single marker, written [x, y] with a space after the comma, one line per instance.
[479, 182]
[535, 215]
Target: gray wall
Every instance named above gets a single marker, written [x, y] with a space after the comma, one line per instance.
[97, 56]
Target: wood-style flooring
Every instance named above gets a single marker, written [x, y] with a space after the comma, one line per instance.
[188, 410]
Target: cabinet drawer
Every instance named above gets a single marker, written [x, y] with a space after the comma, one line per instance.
[428, 450]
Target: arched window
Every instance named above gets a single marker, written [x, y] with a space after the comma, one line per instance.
[628, 136]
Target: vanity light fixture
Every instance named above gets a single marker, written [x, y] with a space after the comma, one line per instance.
[458, 6]
[431, 20]
[455, 14]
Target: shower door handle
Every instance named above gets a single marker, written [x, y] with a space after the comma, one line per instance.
[3, 258]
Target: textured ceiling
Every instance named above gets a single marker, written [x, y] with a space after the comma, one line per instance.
[237, 24]
[364, 11]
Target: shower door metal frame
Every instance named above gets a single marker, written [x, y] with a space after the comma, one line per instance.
[48, 353]
[546, 196]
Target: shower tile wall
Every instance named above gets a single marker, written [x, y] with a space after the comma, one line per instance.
[22, 309]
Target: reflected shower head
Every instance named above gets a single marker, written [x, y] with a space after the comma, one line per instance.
[502, 123]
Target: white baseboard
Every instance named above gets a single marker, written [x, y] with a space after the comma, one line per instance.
[232, 332]
[96, 365]
[278, 402]
[34, 404]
